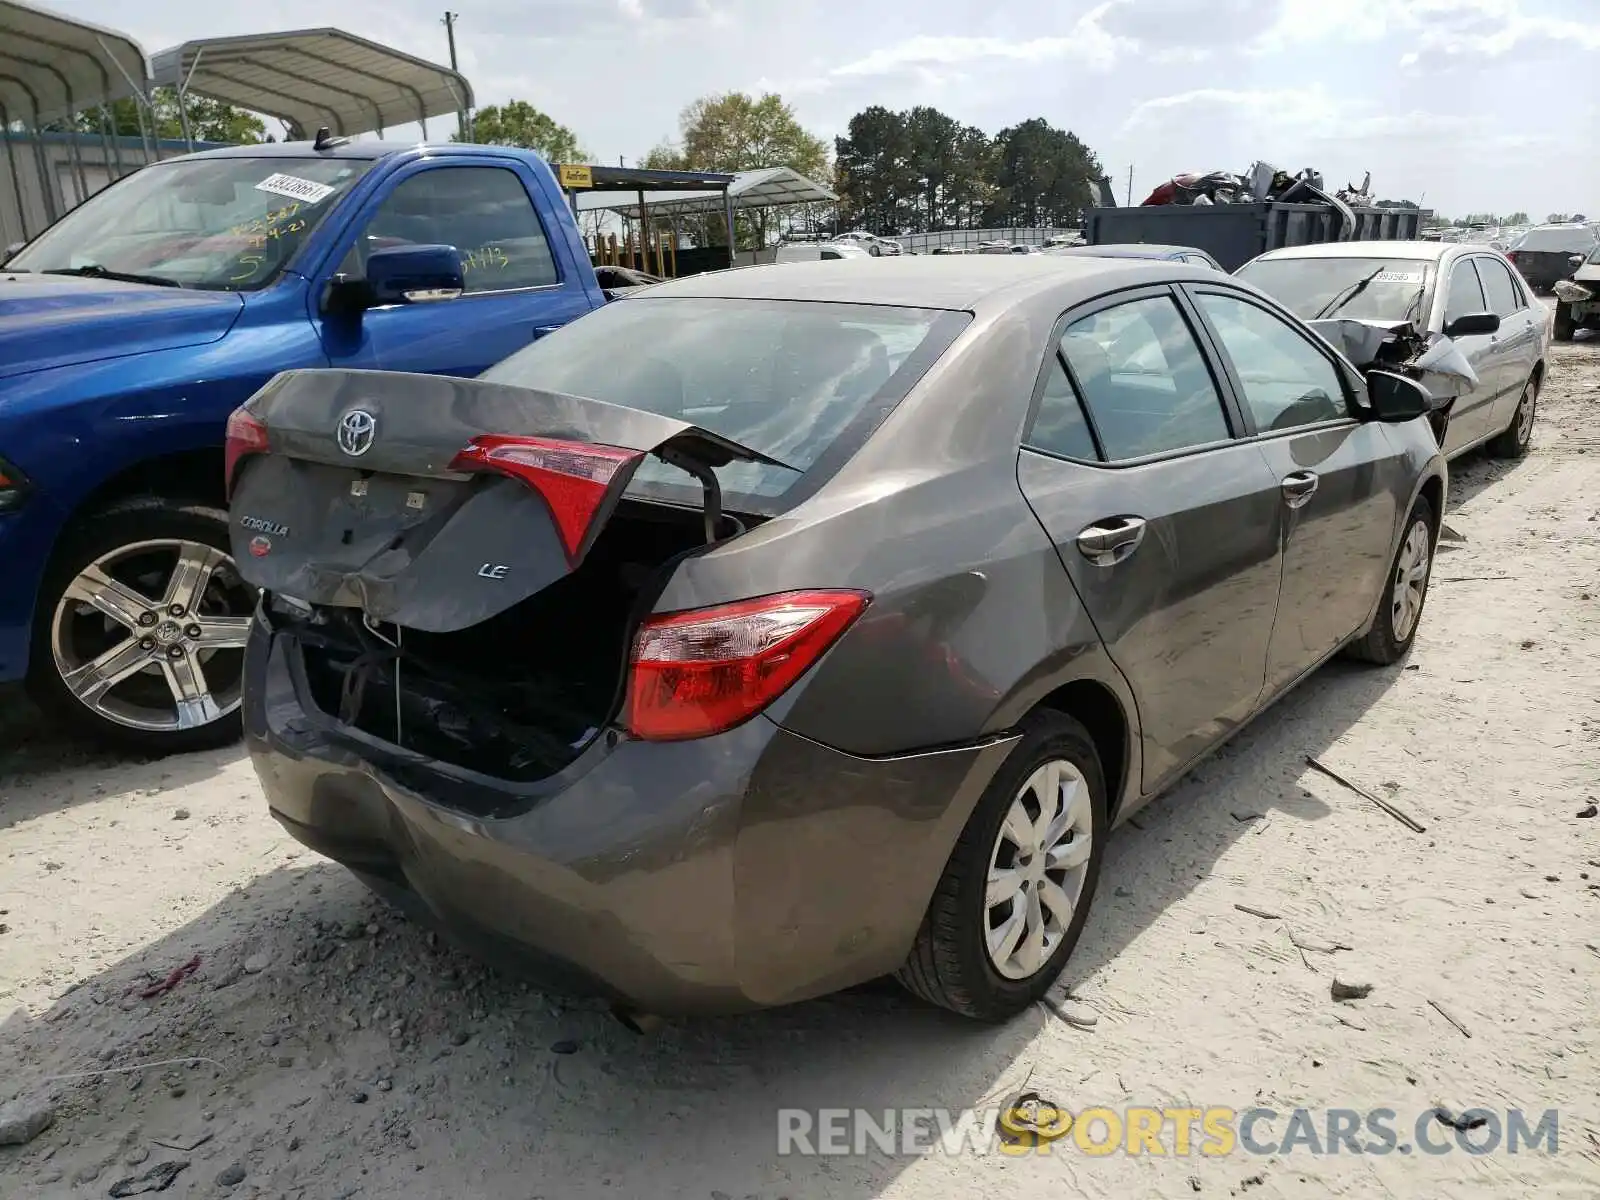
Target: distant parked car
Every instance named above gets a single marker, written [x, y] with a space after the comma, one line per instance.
[1578, 299]
[1183, 254]
[696, 735]
[878, 247]
[1544, 254]
[1466, 292]
[796, 252]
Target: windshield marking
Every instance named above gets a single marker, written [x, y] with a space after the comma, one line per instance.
[308, 190]
[1398, 277]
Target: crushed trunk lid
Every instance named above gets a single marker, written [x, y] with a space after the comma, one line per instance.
[435, 502]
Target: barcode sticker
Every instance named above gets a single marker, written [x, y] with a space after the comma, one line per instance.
[1397, 277]
[306, 190]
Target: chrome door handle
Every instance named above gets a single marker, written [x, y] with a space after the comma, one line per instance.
[540, 330]
[1299, 487]
[1108, 542]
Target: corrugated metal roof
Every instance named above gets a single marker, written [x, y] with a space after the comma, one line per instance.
[51, 65]
[314, 78]
[750, 189]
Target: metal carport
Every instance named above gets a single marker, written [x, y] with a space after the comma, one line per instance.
[770, 187]
[52, 67]
[310, 78]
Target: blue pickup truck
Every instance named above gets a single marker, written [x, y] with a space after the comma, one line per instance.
[132, 328]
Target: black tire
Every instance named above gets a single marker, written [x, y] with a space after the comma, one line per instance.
[1383, 644]
[1563, 327]
[126, 524]
[950, 965]
[1513, 441]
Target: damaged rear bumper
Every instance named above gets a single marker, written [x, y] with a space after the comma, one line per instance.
[740, 871]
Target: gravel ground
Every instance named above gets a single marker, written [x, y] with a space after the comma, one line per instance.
[336, 1051]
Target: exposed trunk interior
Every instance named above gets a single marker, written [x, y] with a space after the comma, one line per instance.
[519, 696]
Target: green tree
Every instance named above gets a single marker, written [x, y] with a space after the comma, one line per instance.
[209, 120]
[875, 171]
[1558, 218]
[518, 123]
[1043, 175]
[738, 132]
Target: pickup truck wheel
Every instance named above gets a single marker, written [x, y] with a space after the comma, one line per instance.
[1015, 893]
[141, 628]
[1513, 440]
[1563, 327]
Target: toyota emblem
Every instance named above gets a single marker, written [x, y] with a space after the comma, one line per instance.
[357, 430]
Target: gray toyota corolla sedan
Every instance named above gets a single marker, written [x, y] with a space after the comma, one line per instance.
[774, 630]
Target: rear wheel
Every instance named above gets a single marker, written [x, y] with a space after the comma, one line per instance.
[1563, 327]
[1401, 609]
[141, 628]
[1015, 893]
[1513, 441]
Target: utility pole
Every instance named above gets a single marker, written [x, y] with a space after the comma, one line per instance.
[463, 122]
[1130, 185]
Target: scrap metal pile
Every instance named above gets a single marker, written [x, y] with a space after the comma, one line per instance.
[1263, 182]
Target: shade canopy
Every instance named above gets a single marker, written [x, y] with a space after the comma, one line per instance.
[768, 187]
[52, 66]
[315, 77]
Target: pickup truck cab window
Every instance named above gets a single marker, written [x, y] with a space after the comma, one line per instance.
[483, 211]
[228, 223]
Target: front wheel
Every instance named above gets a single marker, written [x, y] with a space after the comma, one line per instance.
[141, 628]
[1016, 890]
[1514, 439]
[1400, 610]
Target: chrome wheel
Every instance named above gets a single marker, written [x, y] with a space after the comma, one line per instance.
[1410, 580]
[1525, 410]
[151, 635]
[1037, 869]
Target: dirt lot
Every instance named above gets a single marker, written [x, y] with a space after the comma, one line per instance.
[343, 1053]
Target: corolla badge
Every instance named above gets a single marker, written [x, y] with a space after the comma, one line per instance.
[358, 429]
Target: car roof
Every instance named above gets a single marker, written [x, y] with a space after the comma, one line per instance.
[364, 151]
[1412, 251]
[1126, 250]
[960, 282]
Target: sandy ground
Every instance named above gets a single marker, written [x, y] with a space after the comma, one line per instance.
[346, 1054]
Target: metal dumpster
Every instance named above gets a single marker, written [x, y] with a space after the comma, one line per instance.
[1233, 234]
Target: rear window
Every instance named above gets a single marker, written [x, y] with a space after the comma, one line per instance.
[1576, 240]
[803, 382]
[1307, 286]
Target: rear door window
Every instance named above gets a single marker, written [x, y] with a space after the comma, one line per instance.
[1143, 379]
[1060, 426]
[1498, 285]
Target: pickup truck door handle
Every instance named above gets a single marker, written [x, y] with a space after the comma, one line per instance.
[1299, 487]
[540, 330]
[1108, 542]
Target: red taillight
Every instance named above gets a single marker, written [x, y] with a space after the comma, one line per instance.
[701, 672]
[246, 436]
[1512, 255]
[13, 487]
[574, 478]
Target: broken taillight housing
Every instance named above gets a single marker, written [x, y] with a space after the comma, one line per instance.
[13, 487]
[574, 478]
[706, 670]
[246, 435]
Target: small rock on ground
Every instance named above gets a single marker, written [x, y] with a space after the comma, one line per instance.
[25, 1119]
[1344, 989]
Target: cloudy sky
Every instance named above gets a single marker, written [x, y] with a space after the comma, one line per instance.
[1464, 104]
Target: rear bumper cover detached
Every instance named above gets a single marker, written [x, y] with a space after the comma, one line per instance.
[749, 869]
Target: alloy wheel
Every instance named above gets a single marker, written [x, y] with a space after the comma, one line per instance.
[1410, 580]
[151, 635]
[1037, 869]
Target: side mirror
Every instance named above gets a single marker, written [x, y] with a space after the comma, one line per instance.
[414, 275]
[1472, 323]
[1396, 398]
[1575, 261]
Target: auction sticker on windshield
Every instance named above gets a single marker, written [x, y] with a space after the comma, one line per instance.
[1398, 277]
[307, 190]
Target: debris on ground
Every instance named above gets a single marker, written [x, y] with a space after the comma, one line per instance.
[177, 976]
[157, 1179]
[24, 1119]
[1344, 989]
[1394, 811]
[1476, 1119]
[1446, 1014]
[1258, 912]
